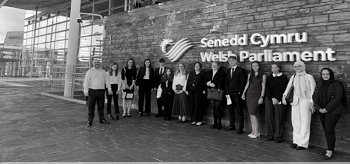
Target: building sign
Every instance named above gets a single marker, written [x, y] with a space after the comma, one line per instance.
[257, 39]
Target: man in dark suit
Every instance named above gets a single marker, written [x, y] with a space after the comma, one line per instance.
[235, 83]
[159, 72]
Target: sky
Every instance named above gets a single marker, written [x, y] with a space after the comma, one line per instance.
[11, 19]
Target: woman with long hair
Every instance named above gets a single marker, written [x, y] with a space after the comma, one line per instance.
[215, 79]
[330, 101]
[129, 79]
[167, 92]
[255, 89]
[276, 83]
[116, 83]
[180, 106]
[195, 90]
[145, 83]
[302, 106]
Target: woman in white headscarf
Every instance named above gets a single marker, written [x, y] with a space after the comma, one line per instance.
[302, 105]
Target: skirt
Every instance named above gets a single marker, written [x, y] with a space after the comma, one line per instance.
[180, 105]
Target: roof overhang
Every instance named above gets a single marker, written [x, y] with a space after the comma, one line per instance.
[43, 5]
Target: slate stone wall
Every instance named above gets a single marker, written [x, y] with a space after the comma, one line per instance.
[326, 22]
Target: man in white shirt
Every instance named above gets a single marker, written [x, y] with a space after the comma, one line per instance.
[95, 82]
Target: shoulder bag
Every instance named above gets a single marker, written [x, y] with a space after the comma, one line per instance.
[290, 94]
[215, 94]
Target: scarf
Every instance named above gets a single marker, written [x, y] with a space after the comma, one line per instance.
[299, 81]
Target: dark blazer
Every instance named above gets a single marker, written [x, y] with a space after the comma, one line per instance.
[158, 77]
[218, 80]
[196, 80]
[334, 105]
[142, 73]
[238, 81]
[167, 90]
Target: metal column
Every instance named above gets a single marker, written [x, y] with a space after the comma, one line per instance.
[73, 41]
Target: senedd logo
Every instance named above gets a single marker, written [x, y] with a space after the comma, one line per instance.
[179, 48]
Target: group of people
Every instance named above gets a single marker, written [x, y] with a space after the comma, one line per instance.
[184, 95]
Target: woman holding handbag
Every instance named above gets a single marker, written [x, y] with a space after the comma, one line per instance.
[180, 106]
[167, 92]
[116, 83]
[276, 84]
[255, 89]
[195, 90]
[129, 79]
[302, 105]
[330, 101]
[215, 80]
[145, 83]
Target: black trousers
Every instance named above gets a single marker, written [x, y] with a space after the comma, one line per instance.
[168, 100]
[329, 121]
[274, 117]
[160, 105]
[145, 93]
[115, 99]
[96, 96]
[196, 101]
[217, 113]
[237, 107]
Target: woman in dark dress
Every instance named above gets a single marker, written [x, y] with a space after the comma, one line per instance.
[330, 101]
[129, 78]
[215, 79]
[167, 93]
[145, 83]
[255, 89]
[276, 84]
[195, 91]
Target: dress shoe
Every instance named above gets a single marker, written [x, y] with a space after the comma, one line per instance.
[110, 117]
[240, 131]
[300, 148]
[128, 115]
[219, 127]
[199, 123]
[326, 157]
[104, 122]
[140, 114]
[124, 115]
[117, 117]
[325, 152]
[89, 123]
[193, 123]
[179, 121]
[269, 138]
[213, 126]
[278, 140]
[255, 136]
[230, 128]
[147, 114]
[293, 145]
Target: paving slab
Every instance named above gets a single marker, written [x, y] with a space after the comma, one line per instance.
[37, 128]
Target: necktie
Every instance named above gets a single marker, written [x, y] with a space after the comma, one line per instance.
[232, 70]
[161, 71]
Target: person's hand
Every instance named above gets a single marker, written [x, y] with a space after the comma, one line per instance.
[118, 91]
[284, 102]
[110, 92]
[227, 96]
[151, 90]
[212, 85]
[86, 93]
[323, 110]
[203, 92]
[155, 89]
[127, 87]
[180, 92]
[274, 101]
[261, 100]
[312, 109]
[208, 83]
[186, 92]
[243, 97]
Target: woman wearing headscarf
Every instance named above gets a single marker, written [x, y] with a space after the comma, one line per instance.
[330, 101]
[302, 105]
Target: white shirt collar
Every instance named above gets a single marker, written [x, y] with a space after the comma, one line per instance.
[278, 75]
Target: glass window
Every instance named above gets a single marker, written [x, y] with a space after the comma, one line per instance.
[48, 38]
[61, 19]
[84, 52]
[85, 31]
[30, 34]
[59, 44]
[50, 21]
[41, 46]
[60, 35]
[41, 39]
[85, 41]
[66, 44]
[47, 46]
[24, 42]
[42, 31]
[61, 27]
[29, 41]
[43, 23]
[49, 29]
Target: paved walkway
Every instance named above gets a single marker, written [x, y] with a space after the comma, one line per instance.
[37, 128]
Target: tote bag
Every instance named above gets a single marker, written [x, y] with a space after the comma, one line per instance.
[290, 94]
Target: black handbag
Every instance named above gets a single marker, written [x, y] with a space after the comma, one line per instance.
[215, 94]
[179, 87]
[127, 95]
[290, 94]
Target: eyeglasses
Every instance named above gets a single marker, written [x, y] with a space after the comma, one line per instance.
[297, 66]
